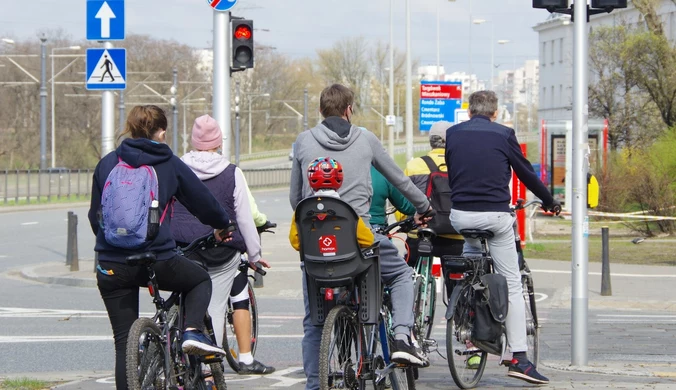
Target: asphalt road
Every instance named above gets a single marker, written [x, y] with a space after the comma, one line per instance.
[49, 331]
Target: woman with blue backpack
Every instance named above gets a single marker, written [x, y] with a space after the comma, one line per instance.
[133, 191]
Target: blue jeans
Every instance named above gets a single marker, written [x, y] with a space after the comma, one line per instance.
[397, 275]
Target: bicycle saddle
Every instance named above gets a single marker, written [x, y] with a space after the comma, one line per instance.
[476, 233]
[426, 232]
[143, 259]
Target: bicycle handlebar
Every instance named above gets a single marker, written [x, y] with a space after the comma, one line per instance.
[265, 228]
[405, 225]
[556, 209]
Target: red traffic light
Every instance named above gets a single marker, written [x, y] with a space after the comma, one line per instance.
[243, 33]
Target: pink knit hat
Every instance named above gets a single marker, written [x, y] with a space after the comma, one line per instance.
[206, 134]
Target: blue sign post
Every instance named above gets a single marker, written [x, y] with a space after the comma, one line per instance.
[438, 102]
[222, 5]
[105, 20]
[106, 69]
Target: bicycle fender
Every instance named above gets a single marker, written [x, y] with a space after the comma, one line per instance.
[451, 302]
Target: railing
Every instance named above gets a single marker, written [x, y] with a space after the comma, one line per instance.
[36, 186]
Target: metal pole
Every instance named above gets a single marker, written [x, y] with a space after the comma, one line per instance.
[43, 103]
[492, 54]
[237, 132]
[120, 108]
[250, 98]
[382, 134]
[580, 231]
[53, 116]
[409, 95]
[222, 76]
[438, 41]
[305, 108]
[606, 287]
[185, 132]
[174, 126]
[470, 46]
[107, 117]
[391, 102]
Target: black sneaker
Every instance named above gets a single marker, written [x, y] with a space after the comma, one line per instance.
[404, 353]
[527, 372]
[196, 343]
[255, 368]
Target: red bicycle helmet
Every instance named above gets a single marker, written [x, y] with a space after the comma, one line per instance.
[325, 173]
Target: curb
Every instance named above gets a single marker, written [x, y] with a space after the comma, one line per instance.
[42, 206]
[30, 274]
[635, 369]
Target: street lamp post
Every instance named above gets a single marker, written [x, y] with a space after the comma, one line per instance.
[251, 98]
[54, 102]
[43, 102]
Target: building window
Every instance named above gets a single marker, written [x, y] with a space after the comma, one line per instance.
[544, 96]
[561, 50]
[544, 53]
[552, 97]
[553, 50]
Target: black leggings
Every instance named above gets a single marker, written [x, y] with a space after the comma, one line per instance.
[120, 293]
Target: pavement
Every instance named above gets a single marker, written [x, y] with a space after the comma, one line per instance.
[631, 334]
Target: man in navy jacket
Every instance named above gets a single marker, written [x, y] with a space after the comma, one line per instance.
[480, 155]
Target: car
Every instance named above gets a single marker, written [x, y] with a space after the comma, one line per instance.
[293, 145]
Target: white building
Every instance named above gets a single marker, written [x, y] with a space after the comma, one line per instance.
[470, 83]
[555, 38]
[431, 72]
[519, 85]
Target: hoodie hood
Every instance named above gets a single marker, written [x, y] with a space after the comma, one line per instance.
[206, 165]
[141, 151]
[328, 133]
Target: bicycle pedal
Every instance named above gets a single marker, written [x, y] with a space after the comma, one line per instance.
[211, 359]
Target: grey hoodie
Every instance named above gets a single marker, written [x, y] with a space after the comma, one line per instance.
[356, 153]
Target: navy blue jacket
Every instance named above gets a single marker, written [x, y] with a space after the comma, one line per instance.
[175, 180]
[480, 156]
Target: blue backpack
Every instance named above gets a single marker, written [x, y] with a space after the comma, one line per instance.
[126, 199]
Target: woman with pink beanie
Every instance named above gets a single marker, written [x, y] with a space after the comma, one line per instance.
[226, 182]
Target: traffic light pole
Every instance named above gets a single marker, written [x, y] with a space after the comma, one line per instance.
[221, 86]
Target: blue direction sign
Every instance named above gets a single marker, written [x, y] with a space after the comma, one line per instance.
[438, 102]
[106, 69]
[105, 20]
[222, 5]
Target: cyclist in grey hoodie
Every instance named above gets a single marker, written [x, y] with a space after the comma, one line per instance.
[357, 149]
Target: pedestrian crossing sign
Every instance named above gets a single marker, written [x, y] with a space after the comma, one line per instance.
[106, 69]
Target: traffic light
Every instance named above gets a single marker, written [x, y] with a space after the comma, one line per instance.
[550, 4]
[609, 4]
[242, 44]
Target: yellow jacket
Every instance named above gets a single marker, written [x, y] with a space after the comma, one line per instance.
[419, 173]
[364, 235]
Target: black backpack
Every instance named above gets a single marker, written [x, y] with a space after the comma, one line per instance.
[439, 194]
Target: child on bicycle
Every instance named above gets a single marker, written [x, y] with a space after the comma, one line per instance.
[226, 182]
[326, 176]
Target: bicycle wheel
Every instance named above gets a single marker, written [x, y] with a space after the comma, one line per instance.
[459, 347]
[146, 356]
[339, 351]
[229, 338]
[532, 327]
[217, 374]
[401, 378]
[431, 301]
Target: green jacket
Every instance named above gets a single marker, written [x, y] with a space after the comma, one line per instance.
[382, 191]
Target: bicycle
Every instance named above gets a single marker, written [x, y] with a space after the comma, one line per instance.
[155, 359]
[461, 343]
[356, 335]
[425, 285]
[229, 338]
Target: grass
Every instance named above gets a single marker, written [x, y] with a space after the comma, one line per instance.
[621, 250]
[24, 384]
[43, 200]
[400, 159]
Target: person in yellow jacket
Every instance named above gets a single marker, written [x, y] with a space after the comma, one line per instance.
[418, 170]
[326, 176]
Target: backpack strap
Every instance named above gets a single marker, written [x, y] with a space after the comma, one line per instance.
[430, 164]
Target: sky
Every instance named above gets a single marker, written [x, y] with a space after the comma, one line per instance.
[299, 27]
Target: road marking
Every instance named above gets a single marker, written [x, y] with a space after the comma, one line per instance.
[540, 297]
[636, 315]
[29, 223]
[553, 271]
[275, 317]
[53, 339]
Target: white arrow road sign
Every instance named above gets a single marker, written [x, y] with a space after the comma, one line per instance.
[105, 14]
